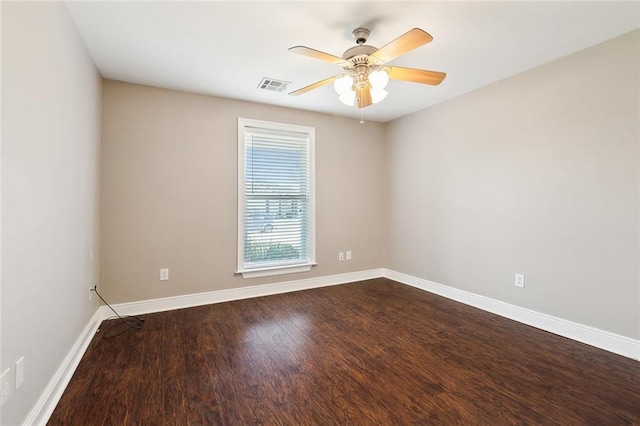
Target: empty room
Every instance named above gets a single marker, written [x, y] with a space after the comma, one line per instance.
[306, 212]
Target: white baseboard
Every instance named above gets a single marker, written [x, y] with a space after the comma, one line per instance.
[218, 296]
[611, 342]
[42, 410]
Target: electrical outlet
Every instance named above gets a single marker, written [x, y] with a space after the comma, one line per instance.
[519, 280]
[348, 254]
[164, 274]
[341, 255]
[5, 385]
[19, 372]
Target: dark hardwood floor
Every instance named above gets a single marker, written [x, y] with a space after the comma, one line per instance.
[373, 352]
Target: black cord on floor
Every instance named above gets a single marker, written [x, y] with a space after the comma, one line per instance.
[131, 321]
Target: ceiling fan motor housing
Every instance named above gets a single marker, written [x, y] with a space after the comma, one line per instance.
[356, 51]
[359, 63]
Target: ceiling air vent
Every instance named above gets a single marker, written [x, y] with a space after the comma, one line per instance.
[273, 85]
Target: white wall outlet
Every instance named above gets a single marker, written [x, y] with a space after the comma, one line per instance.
[519, 280]
[5, 385]
[341, 255]
[19, 372]
[164, 274]
[348, 254]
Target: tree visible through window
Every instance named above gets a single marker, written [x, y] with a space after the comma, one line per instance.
[275, 193]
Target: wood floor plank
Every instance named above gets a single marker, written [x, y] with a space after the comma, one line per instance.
[201, 374]
[372, 352]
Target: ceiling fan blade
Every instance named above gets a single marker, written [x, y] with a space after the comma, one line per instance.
[307, 51]
[405, 43]
[312, 86]
[364, 96]
[416, 76]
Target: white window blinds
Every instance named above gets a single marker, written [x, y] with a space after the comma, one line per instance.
[275, 220]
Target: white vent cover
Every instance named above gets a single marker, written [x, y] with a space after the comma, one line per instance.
[273, 85]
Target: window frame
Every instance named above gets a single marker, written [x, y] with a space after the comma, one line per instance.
[290, 268]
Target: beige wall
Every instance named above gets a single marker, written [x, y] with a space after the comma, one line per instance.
[535, 174]
[169, 191]
[50, 193]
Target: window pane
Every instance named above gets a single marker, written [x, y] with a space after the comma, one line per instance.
[276, 187]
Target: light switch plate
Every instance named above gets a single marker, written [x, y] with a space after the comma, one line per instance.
[19, 372]
[519, 280]
[164, 274]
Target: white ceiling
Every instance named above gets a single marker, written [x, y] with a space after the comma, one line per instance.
[225, 48]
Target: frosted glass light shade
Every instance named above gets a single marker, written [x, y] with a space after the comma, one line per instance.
[379, 79]
[348, 98]
[343, 84]
[377, 95]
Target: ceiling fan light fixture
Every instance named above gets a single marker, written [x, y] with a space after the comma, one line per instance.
[343, 84]
[379, 79]
[366, 73]
[377, 95]
[348, 98]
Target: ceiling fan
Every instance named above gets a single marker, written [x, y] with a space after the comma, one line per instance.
[366, 71]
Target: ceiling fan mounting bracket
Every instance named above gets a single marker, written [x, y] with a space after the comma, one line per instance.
[361, 35]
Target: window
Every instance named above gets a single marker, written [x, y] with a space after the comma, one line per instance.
[276, 214]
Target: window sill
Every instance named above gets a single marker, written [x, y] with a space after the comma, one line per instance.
[276, 270]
